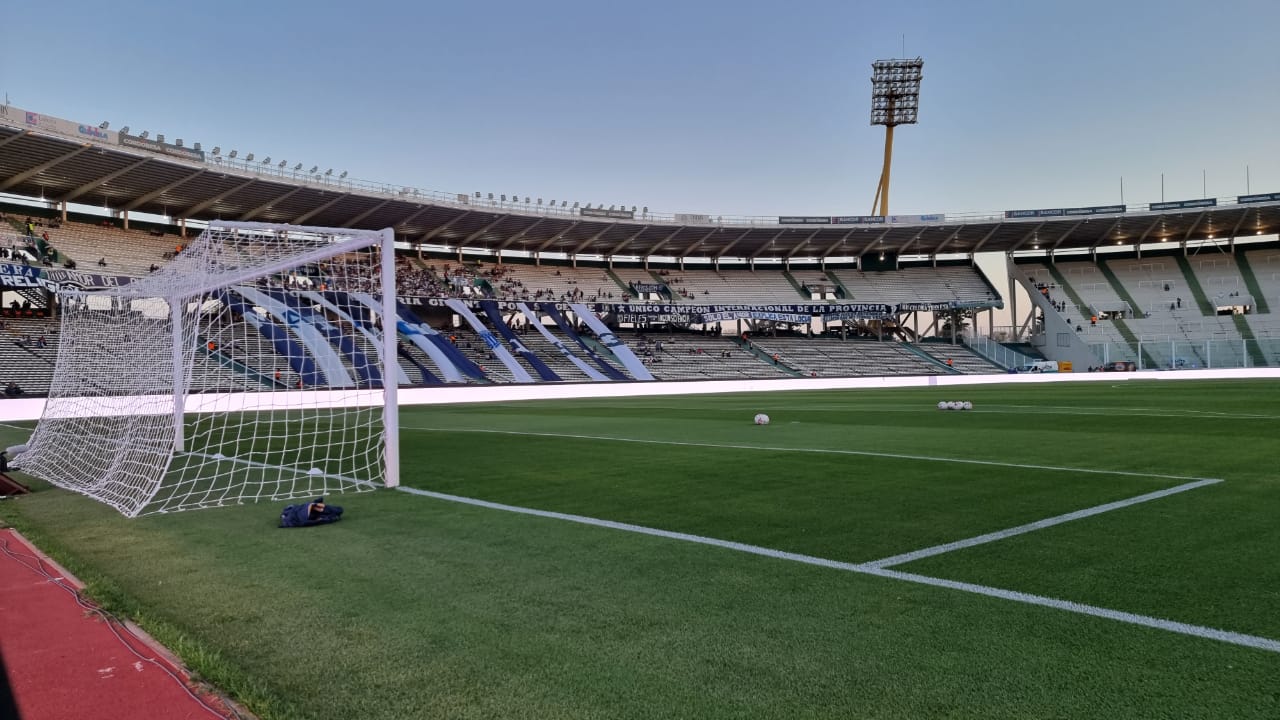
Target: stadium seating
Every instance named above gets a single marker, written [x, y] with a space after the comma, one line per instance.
[127, 252]
[831, 357]
[953, 283]
[733, 287]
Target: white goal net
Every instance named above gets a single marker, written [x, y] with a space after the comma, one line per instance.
[252, 366]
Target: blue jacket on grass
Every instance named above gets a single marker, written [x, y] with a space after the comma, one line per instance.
[315, 512]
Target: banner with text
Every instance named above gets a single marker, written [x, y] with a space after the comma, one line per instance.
[1061, 212]
[1180, 204]
[132, 141]
[602, 213]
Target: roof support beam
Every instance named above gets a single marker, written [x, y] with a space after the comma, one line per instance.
[663, 242]
[414, 216]
[19, 136]
[1110, 230]
[987, 237]
[356, 220]
[1194, 225]
[95, 184]
[587, 243]
[1236, 229]
[557, 236]
[802, 245]
[944, 243]
[1150, 227]
[622, 245]
[28, 174]
[879, 239]
[511, 240]
[135, 204]
[316, 211]
[266, 205]
[439, 228]
[201, 207]
[1066, 235]
[835, 245]
[1035, 231]
[766, 246]
[467, 240]
[697, 244]
[733, 244]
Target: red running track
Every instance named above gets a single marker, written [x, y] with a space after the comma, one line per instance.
[66, 661]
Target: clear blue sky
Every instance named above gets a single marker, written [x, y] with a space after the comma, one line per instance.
[754, 108]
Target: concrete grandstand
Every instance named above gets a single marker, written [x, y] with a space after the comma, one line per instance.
[694, 297]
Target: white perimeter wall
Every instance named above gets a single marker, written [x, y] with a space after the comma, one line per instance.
[12, 410]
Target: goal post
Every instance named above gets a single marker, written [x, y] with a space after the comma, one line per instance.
[242, 370]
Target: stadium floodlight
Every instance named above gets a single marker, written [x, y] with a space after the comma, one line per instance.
[314, 168]
[895, 100]
[217, 149]
[198, 148]
[124, 130]
[343, 175]
[159, 137]
[248, 158]
[144, 134]
[178, 142]
[182, 423]
[328, 172]
[104, 125]
[232, 155]
[282, 164]
[297, 167]
[266, 160]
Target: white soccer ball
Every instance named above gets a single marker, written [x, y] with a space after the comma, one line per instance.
[762, 419]
[968, 405]
[942, 404]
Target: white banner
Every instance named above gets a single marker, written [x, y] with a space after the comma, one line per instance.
[499, 350]
[536, 322]
[611, 341]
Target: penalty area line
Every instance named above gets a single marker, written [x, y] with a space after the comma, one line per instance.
[1037, 525]
[828, 451]
[1199, 631]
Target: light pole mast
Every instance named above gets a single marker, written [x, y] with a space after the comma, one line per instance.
[895, 100]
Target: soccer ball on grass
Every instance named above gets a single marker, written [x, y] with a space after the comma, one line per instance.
[762, 419]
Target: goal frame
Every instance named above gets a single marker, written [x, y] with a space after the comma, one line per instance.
[340, 241]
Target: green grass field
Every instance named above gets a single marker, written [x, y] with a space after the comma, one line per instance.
[418, 607]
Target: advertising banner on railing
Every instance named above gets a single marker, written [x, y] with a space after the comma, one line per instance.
[1265, 197]
[138, 143]
[859, 219]
[692, 219]
[1060, 212]
[804, 220]
[49, 123]
[602, 213]
[686, 314]
[641, 288]
[1180, 204]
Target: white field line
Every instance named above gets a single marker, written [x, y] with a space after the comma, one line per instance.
[1037, 525]
[1252, 641]
[17, 427]
[829, 451]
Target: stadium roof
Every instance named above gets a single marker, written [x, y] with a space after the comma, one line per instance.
[59, 168]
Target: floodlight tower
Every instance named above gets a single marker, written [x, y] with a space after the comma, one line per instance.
[895, 100]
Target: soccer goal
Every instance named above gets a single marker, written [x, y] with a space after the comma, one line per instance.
[252, 366]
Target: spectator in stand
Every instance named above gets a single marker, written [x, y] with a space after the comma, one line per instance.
[102, 262]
